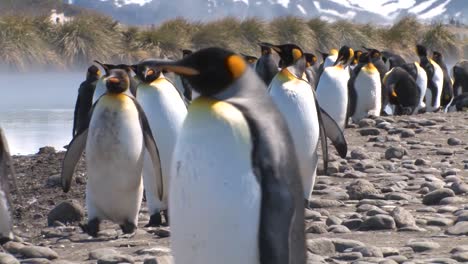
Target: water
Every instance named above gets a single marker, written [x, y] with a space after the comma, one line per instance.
[36, 109]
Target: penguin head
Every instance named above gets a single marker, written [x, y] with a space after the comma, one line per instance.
[374, 54]
[265, 48]
[93, 73]
[311, 59]
[421, 50]
[186, 52]
[345, 55]
[107, 67]
[209, 71]
[357, 55]
[290, 54]
[436, 56]
[117, 81]
[251, 60]
[146, 73]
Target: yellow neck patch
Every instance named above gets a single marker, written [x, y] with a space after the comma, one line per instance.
[297, 54]
[203, 106]
[370, 68]
[236, 66]
[285, 75]
[333, 52]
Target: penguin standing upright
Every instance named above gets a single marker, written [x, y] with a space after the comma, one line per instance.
[364, 91]
[267, 64]
[115, 142]
[166, 111]
[101, 84]
[332, 89]
[84, 100]
[228, 154]
[435, 79]
[392, 60]
[447, 89]
[376, 59]
[295, 99]
[311, 70]
[328, 59]
[6, 169]
[354, 63]
[460, 77]
[181, 83]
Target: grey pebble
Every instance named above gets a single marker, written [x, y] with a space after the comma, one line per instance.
[66, 212]
[8, 259]
[436, 196]
[421, 245]
[38, 252]
[321, 246]
[460, 228]
[402, 217]
[378, 222]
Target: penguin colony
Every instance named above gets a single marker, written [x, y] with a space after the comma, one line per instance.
[231, 130]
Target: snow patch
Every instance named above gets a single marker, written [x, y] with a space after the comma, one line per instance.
[421, 7]
[436, 11]
[303, 11]
[245, 1]
[284, 3]
[347, 15]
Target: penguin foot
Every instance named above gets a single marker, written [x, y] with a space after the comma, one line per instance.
[128, 228]
[166, 216]
[155, 220]
[91, 228]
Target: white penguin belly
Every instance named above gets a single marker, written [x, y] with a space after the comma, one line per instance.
[421, 81]
[329, 61]
[295, 101]
[214, 188]
[368, 89]
[332, 93]
[166, 112]
[5, 221]
[114, 160]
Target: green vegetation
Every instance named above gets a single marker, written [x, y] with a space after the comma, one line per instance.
[33, 41]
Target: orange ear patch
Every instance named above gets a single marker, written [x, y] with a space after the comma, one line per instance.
[113, 80]
[236, 65]
[297, 54]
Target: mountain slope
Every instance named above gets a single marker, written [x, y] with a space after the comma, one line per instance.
[364, 11]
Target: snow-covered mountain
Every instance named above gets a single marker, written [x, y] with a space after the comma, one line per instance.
[364, 11]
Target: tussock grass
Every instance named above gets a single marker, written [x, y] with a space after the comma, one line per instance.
[28, 40]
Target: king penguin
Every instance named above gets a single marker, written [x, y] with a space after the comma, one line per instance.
[101, 84]
[115, 142]
[392, 60]
[328, 59]
[311, 69]
[166, 111]
[447, 89]
[267, 64]
[6, 170]
[251, 60]
[182, 85]
[435, 79]
[460, 77]
[332, 89]
[403, 90]
[230, 177]
[420, 76]
[296, 100]
[84, 100]
[364, 91]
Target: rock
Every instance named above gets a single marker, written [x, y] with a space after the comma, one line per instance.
[460, 218]
[459, 188]
[46, 150]
[13, 247]
[421, 162]
[324, 203]
[338, 229]
[312, 215]
[361, 189]
[462, 248]
[452, 200]
[407, 133]
[369, 132]
[395, 153]
[115, 259]
[444, 152]
[434, 197]
[461, 256]
[159, 260]
[359, 154]
[420, 246]
[366, 122]
[402, 217]
[378, 222]
[397, 196]
[8, 259]
[369, 251]
[333, 220]
[154, 251]
[348, 256]
[101, 252]
[353, 224]
[316, 228]
[439, 221]
[321, 246]
[54, 180]
[454, 141]
[35, 261]
[341, 244]
[38, 252]
[459, 229]
[389, 251]
[66, 212]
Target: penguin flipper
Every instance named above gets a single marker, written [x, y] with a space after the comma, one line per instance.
[152, 149]
[334, 133]
[73, 155]
[6, 168]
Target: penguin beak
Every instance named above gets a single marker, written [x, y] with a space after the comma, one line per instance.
[176, 67]
[113, 80]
